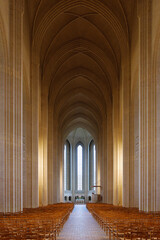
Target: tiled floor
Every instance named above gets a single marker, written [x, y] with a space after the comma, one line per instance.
[81, 225]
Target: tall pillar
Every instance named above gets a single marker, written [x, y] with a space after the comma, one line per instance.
[91, 165]
[105, 160]
[11, 102]
[3, 117]
[144, 12]
[52, 159]
[68, 167]
[125, 151]
[43, 150]
[15, 108]
[156, 184]
[109, 158]
[35, 89]
[27, 153]
[73, 168]
[61, 169]
[85, 162]
[116, 184]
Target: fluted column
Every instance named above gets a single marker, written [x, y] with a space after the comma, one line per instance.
[74, 182]
[109, 164]
[50, 157]
[144, 12]
[15, 110]
[116, 183]
[27, 154]
[60, 162]
[85, 170]
[104, 161]
[156, 163]
[68, 167]
[11, 101]
[43, 150]
[91, 165]
[35, 89]
[3, 117]
[53, 183]
[125, 151]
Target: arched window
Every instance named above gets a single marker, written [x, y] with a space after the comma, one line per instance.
[79, 167]
[92, 165]
[67, 166]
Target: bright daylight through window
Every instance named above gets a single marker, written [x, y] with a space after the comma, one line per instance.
[79, 167]
[94, 161]
[65, 175]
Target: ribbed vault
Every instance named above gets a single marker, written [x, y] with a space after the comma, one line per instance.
[79, 47]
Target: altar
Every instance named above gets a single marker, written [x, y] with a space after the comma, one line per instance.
[79, 200]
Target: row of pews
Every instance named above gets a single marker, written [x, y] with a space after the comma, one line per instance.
[126, 223]
[38, 223]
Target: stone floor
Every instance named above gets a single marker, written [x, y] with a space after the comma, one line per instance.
[81, 225]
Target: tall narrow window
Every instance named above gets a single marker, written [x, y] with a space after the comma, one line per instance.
[79, 167]
[65, 168]
[94, 163]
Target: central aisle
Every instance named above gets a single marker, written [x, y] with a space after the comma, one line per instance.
[81, 225]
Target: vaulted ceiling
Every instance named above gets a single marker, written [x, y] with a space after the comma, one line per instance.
[80, 44]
